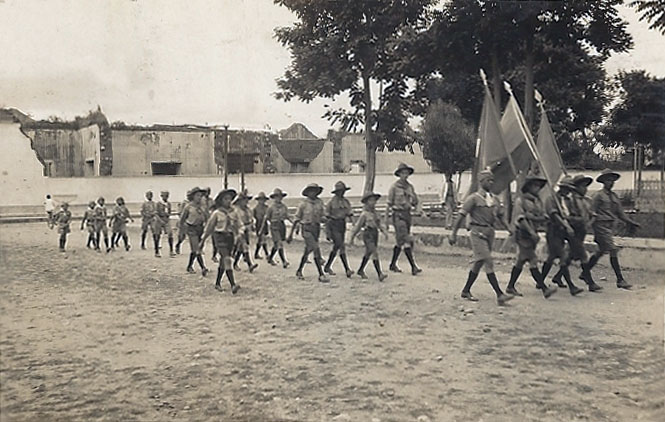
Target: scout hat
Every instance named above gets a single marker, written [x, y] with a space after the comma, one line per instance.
[164, 192]
[194, 191]
[312, 187]
[369, 195]
[485, 174]
[533, 179]
[261, 197]
[567, 182]
[222, 194]
[277, 192]
[241, 196]
[582, 180]
[403, 166]
[607, 174]
[340, 186]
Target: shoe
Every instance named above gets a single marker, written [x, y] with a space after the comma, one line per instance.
[98, 250]
[468, 296]
[191, 270]
[329, 271]
[349, 273]
[172, 255]
[253, 267]
[595, 288]
[272, 262]
[299, 275]
[143, 247]
[549, 291]
[513, 291]
[416, 271]
[574, 290]
[62, 249]
[158, 255]
[204, 272]
[502, 299]
[235, 289]
[622, 284]
[395, 269]
[218, 287]
[108, 250]
[257, 256]
[362, 275]
[236, 268]
[177, 249]
[558, 282]
[383, 276]
[285, 264]
[215, 259]
[128, 247]
[324, 279]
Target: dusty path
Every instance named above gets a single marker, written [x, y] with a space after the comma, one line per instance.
[129, 337]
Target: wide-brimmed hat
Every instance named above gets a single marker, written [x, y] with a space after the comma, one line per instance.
[242, 196]
[312, 187]
[226, 192]
[261, 196]
[277, 192]
[369, 195]
[403, 166]
[533, 179]
[582, 180]
[487, 173]
[567, 182]
[340, 186]
[607, 174]
[193, 191]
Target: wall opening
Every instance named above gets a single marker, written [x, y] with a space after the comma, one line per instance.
[236, 163]
[89, 168]
[49, 168]
[165, 169]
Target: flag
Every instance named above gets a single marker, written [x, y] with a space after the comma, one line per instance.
[550, 157]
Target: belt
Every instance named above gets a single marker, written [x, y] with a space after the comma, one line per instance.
[479, 225]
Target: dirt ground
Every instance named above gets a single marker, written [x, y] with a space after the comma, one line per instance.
[126, 336]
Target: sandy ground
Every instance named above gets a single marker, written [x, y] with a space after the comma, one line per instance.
[126, 336]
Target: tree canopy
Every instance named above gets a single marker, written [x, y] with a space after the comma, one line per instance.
[652, 11]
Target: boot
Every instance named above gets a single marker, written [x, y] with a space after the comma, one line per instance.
[514, 275]
[377, 267]
[409, 255]
[538, 277]
[361, 269]
[393, 262]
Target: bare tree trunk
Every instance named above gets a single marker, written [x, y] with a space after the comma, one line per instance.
[528, 82]
[370, 146]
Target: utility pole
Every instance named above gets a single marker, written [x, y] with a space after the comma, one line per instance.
[226, 156]
[242, 161]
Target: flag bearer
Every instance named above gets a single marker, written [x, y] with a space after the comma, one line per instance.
[223, 225]
[370, 224]
[275, 215]
[259, 213]
[309, 216]
[162, 223]
[606, 209]
[530, 215]
[246, 221]
[402, 199]
[147, 216]
[100, 224]
[89, 222]
[338, 211]
[119, 223]
[483, 209]
[193, 220]
[62, 219]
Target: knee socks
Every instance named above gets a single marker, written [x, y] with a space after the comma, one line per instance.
[614, 260]
[143, 235]
[494, 283]
[171, 244]
[409, 255]
[396, 251]
[469, 281]
[192, 257]
[345, 261]
[377, 267]
[331, 257]
[547, 266]
[538, 277]
[514, 275]
[363, 263]
[199, 259]
[220, 275]
[282, 255]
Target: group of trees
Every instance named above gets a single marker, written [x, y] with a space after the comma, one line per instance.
[423, 60]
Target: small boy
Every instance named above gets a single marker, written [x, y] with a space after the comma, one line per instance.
[162, 223]
[192, 221]
[101, 215]
[49, 207]
[147, 216]
[275, 215]
[62, 219]
[223, 225]
[119, 223]
[370, 223]
[259, 213]
[89, 222]
[246, 221]
[310, 215]
[338, 211]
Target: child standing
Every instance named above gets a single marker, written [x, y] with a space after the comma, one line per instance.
[370, 224]
[338, 211]
[246, 221]
[100, 224]
[275, 215]
[62, 219]
[89, 222]
[192, 221]
[147, 216]
[162, 223]
[119, 223]
[223, 226]
[259, 213]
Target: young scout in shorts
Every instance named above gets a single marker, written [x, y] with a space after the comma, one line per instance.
[162, 223]
[89, 222]
[310, 214]
[147, 216]
[62, 219]
[530, 215]
[223, 226]
[181, 233]
[275, 215]
[246, 219]
[259, 213]
[193, 219]
[100, 224]
[119, 223]
[558, 232]
[370, 224]
[606, 209]
[483, 209]
[338, 211]
[579, 216]
[402, 199]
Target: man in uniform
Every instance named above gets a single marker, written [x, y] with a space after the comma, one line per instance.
[338, 211]
[402, 199]
[606, 210]
[162, 223]
[100, 224]
[483, 209]
[259, 213]
[89, 222]
[246, 220]
[147, 216]
[192, 221]
[275, 216]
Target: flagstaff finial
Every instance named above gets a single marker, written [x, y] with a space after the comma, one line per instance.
[507, 87]
[539, 98]
[483, 76]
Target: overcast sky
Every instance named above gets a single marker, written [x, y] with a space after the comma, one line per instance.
[168, 61]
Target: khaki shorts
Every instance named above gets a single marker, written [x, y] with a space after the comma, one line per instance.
[161, 226]
[603, 232]
[482, 241]
[402, 224]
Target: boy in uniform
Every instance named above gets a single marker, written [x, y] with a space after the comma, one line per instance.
[310, 214]
[370, 224]
[89, 222]
[402, 199]
[62, 219]
[259, 213]
[483, 209]
[100, 215]
[275, 215]
[530, 215]
[606, 209]
[147, 216]
[119, 223]
[338, 211]
[223, 225]
[192, 222]
[162, 223]
[244, 215]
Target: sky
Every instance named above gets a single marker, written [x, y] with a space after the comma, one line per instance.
[177, 61]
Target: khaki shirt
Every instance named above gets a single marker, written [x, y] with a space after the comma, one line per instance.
[148, 210]
[482, 207]
[369, 219]
[402, 196]
[310, 211]
[259, 212]
[194, 215]
[244, 216]
[339, 208]
[100, 212]
[163, 211]
[606, 206]
[277, 213]
[223, 220]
